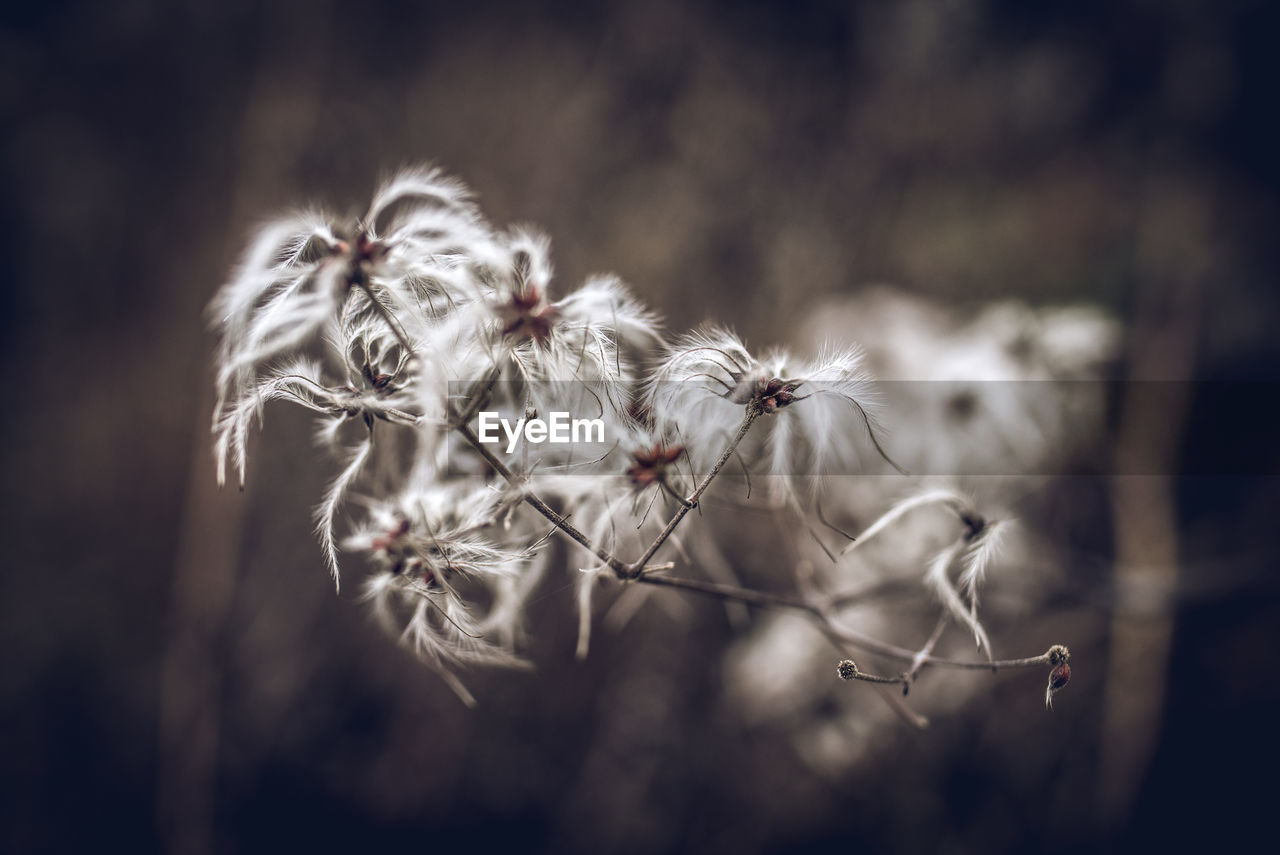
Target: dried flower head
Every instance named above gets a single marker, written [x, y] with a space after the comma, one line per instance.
[443, 575]
[308, 273]
[650, 464]
[825, 407]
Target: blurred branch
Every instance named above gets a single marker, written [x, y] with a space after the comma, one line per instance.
[204, 580]
[1143, 507]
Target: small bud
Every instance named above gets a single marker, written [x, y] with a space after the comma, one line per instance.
[1058, 678]
[847, 669]
[1058, 654]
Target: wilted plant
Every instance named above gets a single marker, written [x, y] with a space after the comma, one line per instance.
[408, 323]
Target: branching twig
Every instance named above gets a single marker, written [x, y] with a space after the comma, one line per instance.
[747, 596]
[925, 651]
[641, 573]
[753, 412]
[557, 519]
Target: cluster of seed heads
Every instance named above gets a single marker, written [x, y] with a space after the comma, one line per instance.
[384, 322]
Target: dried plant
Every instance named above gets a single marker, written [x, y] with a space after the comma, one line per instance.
[400, 329]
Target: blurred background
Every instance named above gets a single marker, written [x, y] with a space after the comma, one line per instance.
[938, 178]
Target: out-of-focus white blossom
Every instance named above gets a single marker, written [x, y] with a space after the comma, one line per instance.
[1010, 390]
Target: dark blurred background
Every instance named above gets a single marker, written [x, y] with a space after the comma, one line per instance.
[178, 675]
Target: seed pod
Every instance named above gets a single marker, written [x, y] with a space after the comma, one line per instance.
[1058, 678]
[847, 669]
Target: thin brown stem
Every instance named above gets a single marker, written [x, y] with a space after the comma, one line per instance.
[361, 280]
[862, 593]
[902, 654]
[753, 412]
[735, 594]
[852, 638]
[557, 519]
[670, 491]
[475, 399]
[926, 650]
[477, 395]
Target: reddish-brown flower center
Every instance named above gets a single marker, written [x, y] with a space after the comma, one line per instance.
[526, 315]
[651, 464]
[775, 393]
